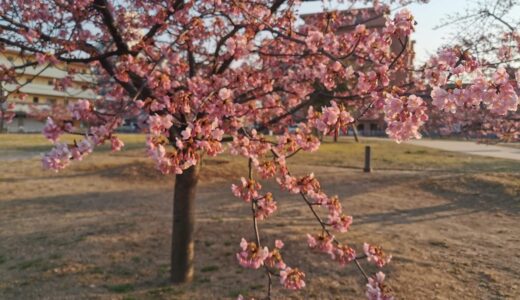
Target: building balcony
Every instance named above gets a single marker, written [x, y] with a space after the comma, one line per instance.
[44, 91]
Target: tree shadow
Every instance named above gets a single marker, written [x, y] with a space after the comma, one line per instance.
[464, 195]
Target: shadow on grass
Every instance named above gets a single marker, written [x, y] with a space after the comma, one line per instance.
[134, 171]
[464, 194]
[122, 240]
[124, 236]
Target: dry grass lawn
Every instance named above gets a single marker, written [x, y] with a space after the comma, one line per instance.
[101, 229]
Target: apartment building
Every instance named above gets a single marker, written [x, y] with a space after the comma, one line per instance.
[36, 88]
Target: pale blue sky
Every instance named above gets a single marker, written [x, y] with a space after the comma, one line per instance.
[427, 16]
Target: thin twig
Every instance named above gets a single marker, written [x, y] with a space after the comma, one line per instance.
[324, 227]
[257, 233]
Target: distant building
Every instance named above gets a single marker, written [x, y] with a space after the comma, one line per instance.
[38, 85]
[372, 126]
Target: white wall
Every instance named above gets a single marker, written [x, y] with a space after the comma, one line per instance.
[23, 124]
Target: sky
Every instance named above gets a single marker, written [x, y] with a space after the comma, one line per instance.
[427, 16]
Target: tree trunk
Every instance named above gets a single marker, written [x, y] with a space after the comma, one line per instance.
[3, 101]
[354, 131]
[182, 251]
[2, 113]
[1, 122]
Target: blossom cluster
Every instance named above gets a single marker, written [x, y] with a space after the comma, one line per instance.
[252, 256]
[62, 153]
[332, 119]
[404, 116]
[342, 254]
[498, 94]
[376, 288]
[247, 190]
[376, 255]
[189, 141]
[265, 206]
[309, 186]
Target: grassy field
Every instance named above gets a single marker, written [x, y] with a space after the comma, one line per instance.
[101, 228]
[345, 154]
[38, 143]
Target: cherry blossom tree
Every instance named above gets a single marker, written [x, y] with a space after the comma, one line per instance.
[489, 32]
[204, 77]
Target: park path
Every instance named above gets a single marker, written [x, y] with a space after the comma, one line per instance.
[471, 148]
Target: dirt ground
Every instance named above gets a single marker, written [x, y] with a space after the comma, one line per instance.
[101, 230]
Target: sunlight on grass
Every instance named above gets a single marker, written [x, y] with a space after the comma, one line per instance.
[346, 153]
[390, 155]
[37, 142]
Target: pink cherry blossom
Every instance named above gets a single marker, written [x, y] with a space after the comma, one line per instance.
[376, 288]
[332, 119]
[81, 109]
[58, 158]
[343, 254]
[334, 206]
[159, 124]
[274, 259]
[265, 206]
[85, 146]
[224, 94]
[186, 133]
[321, 243]
[440, 97]
[278, 244]
[404, 22]
[340, 223]
[330, 114]
[52, 131]
[247, 190]
[251, 256]
[313, 40]
[267, 169]
[506, 100]
[292, 278]
[405, 116]
[81, 149]
[376, 255]
[116, 143]
[500, 76]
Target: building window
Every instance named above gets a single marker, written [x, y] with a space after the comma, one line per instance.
[52, 101]
[36, 100]
[10, 58]
[50, 82]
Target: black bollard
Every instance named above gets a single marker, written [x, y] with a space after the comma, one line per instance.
[367, 168]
